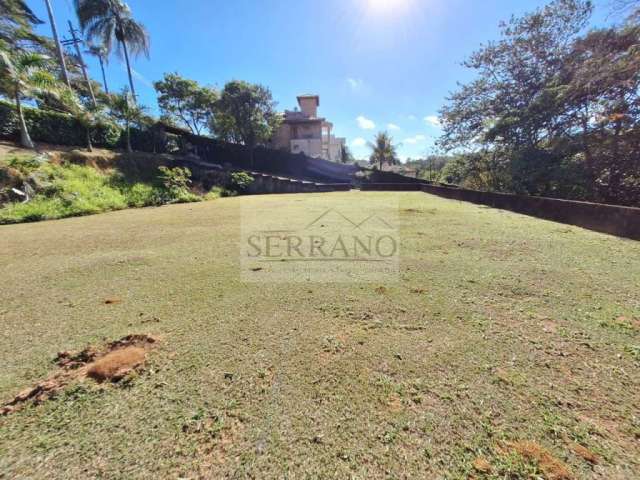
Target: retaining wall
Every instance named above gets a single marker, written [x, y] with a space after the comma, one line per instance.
[612, 219]
[263, 183]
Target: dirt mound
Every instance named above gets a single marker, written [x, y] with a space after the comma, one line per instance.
[112, 362]
[115, 365]
[551, 467]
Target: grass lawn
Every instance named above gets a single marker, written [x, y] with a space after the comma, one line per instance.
[509, 348]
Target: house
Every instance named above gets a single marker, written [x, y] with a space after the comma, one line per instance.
[302, 131]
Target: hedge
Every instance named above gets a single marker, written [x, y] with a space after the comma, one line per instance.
[54, 127]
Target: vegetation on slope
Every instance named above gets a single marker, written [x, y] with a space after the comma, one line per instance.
[65, 189]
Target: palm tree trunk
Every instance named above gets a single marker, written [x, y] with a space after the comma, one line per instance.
[89, 144]
[126, 57]
[129, 149]
[25, 139]
[104, 76]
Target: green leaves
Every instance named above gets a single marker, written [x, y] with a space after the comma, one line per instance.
[185, 102]
[245, 113]
[383, 150]
[105, 20]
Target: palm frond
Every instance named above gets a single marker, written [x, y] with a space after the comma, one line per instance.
[136, 36]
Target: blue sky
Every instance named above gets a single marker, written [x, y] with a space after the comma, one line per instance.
[376, 64]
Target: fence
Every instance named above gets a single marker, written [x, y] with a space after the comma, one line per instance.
[265, 159]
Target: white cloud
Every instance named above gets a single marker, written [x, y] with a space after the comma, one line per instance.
[433, 120]
[365, 123]
[414, 140]
[358, 142]
[356, 84]
[393, 126]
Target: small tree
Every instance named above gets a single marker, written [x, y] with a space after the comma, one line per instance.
[346, 155]
[84, 114]
[185, 102]
[245, 113]
[24, 75]
[124, 110]
[383, 151]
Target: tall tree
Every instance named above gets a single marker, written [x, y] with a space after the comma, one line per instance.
[56, 39]
[102, 55]
[104, 21]
[25, 75]
[185, 102]
[245, 113]
[513, 110]
[383, 151]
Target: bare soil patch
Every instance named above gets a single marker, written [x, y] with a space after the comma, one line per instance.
[112, 362]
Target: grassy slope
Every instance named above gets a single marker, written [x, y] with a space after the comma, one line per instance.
[517, 336]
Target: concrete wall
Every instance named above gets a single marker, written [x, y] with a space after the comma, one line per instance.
[263, 184]
[612, 219]
[310, 147]
[309, 106]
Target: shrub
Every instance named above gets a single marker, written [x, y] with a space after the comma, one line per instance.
[142, 195]
[55, 127]
[240, 181]
[175, 182]
[24, 164]
[214, 193]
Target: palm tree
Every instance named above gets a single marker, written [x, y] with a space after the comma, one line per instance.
[16, 22]
[85, 115]
[125, 110]
[106, 20]
[383, 150]
[24, 74]
[101, 54]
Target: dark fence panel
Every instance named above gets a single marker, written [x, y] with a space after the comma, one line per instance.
[265, 159]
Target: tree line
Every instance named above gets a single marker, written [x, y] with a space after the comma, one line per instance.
[240, 113]
[554, 109]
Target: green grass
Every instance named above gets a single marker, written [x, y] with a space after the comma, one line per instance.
[69, 190]
[497, 330]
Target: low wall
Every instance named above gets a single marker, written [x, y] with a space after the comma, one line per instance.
[263, 183]
[612, 219]
[392, 187]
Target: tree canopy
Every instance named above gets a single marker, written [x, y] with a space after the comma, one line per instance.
[185, 102]
[245, 113]
[553, 109]
[383, 151]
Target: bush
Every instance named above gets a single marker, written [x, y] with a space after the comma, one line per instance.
[239, 181]
[55, 127]
[175, 182]
[142, 195]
